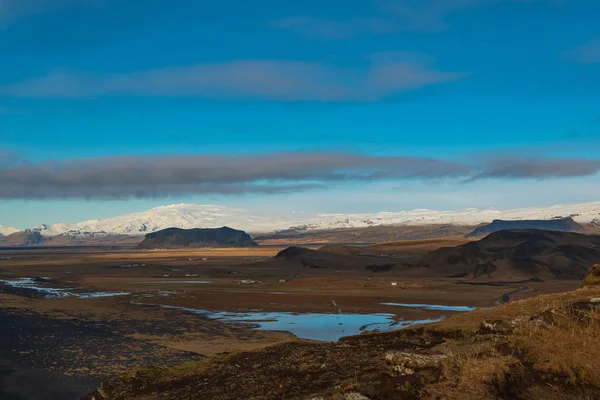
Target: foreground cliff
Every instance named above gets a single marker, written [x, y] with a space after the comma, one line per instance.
[540, 348]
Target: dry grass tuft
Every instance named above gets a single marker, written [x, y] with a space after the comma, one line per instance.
[566, 348]
[472, 371]
[593, 277]
[554, 342]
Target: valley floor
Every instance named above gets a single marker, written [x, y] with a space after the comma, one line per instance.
[77, 341]
[540, 348]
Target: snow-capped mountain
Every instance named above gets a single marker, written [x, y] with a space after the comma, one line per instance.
[209, 216]
[582, 213]
[184, 216]
[7, 230]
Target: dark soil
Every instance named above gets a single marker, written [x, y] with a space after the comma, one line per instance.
[47, 359]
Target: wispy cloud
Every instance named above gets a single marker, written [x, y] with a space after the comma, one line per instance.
[389, 16]
[270, 173]
[11, 10]
[117, 177]
[248, 79]
[539, 168]
[586, 53]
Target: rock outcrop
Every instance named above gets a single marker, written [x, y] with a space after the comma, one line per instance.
[173, 238]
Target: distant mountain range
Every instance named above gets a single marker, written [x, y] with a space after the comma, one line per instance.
[189, 216]
[557, 224]
[7, 230]
[507, 255]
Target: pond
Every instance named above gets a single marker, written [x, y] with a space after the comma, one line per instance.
[315, 326]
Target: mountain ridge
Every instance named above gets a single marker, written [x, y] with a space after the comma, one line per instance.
[7, 230]
[557, 224]
[189, 216]
[518, 254]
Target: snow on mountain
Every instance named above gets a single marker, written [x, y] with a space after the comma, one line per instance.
[7, 230]
[184, 216]
[210, 216]
[582, 213]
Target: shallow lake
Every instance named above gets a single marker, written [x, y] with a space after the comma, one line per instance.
[315, 326]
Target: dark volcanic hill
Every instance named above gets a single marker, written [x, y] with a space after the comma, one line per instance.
[559, 224]
[173, 238]
[302, 260]
[518, 254]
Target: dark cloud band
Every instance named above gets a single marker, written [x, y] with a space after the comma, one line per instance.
[270, 173]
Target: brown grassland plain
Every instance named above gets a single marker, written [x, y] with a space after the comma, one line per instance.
[545, 347]
[141, 337]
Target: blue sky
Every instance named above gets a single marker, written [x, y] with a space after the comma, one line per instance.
[432, 103]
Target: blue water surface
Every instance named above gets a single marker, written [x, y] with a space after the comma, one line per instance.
[314, 326]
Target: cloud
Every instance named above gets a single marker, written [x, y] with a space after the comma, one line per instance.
[8, 158]
[247, 79]
[586, 53]
[269, 173]
[118, 177]
[11, 10]
[538, 168]
[430, 15]
[388, 16]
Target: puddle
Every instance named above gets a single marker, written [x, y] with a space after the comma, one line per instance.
[38, 285]
[325, 327]
[176, 282]
[159, 293]
[94, 295]
[434, 307]
[35, 284]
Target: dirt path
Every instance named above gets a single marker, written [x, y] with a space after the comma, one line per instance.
[505, 298]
